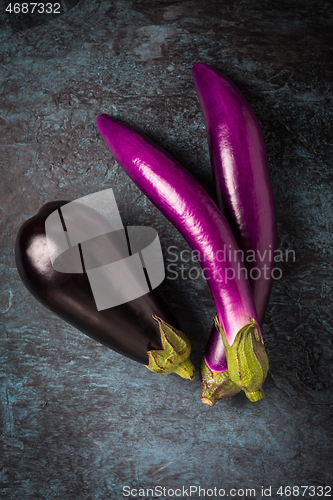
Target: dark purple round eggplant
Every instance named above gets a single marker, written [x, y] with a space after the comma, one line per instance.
[140, 329]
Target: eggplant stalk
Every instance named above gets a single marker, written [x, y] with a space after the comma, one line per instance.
[174, 357]
[216, 385]
[247, 360]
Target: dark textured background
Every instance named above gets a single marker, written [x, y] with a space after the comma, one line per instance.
[79, 421]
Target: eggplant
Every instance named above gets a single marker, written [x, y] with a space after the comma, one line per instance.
[244, 190]
[239, 163]
[190, 209]
[143, 329]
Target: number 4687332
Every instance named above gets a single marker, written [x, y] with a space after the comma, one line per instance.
[30, 8]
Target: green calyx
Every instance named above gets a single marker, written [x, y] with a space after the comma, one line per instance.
[216, 385]
[247, 360]
[175, 355]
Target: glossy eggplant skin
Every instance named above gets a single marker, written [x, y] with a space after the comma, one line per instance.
[243, 184]
[244, 190]
[128, 329]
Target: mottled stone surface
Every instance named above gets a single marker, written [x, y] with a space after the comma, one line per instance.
[79, 421]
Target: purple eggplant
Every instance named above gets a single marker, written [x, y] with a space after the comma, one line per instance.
[244, 188]
[140, 329]
[239, 163]
[189, 208]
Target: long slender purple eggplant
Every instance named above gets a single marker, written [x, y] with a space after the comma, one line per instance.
[139, 329]
[239, 163]
[187, 205]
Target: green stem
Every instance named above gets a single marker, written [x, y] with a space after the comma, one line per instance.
[215, 385]
[247, 360]
[185, 370]
[255, 396]
[175, 355]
